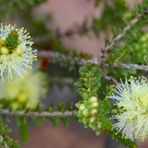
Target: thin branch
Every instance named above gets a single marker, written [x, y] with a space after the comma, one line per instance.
[60, 57]
[109, 78]
[137, 19]
[126, 29]
[127, 66]
[38, 114]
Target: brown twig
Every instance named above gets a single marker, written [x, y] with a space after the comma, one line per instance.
[127, 66]
[60, 57]
[38, 114]
[110, 78]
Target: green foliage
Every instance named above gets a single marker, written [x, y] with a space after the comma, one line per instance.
[91, 111]
[66, 58]
[89, 81]
[134, 45]
[13, 104]
[142, 7]
[117, 9]
[23, 122]
[135, 50]
[55, 120]
[104, 112]
[123, 140]
[61, 107]
[9, 7]
[97, 2]
[95, 113]
[23, 128]
[5, 140]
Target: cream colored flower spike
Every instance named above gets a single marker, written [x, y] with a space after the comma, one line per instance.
[132, 102]
[16, 53]
[26, 91]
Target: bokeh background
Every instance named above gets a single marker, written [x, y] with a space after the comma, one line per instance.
[66, 14]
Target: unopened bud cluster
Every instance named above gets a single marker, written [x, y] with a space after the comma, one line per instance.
[88, 113]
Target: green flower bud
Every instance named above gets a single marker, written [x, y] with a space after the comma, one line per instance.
[81, 107]
[85, 121]
[98, 125]
[94, 104]
[85, 113]
[144, 38]
[92, 119]
[94, 112]
[93, 99]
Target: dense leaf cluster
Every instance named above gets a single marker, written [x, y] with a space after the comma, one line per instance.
[5, 140]
[89, 81]
[9, 7]
[94, 112]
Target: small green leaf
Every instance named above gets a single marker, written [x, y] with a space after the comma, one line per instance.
[23, 128]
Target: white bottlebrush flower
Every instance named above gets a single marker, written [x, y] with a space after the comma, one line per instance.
[16, 53]
[132, 102]
[25, 91]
